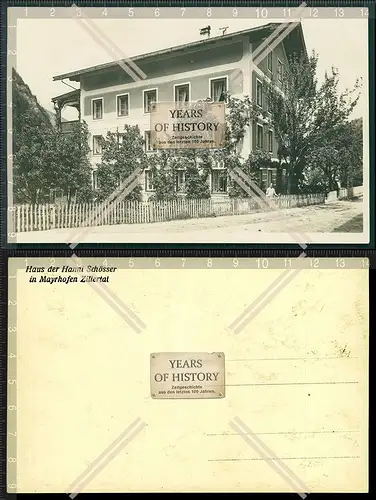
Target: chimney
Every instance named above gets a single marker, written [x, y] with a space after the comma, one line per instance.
[205, 31]
[223, 30]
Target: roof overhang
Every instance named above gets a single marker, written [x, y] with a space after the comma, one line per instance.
[294, 42]
[68, 99]
[254, 33]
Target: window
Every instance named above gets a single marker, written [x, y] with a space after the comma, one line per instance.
[270, 141]
[149, 186]
[219, 181]
[122, 105]
[150, 97]
[240, 145]
[258, 93]
[97, 144]
[270, 177]
[268, 104]
[97, 108]
[180, 179]
[95, 179]
[148, 142]
[120, 138]
[280, 70]
[259, 136]
[218, 88]
[270, 61]
[181, 93]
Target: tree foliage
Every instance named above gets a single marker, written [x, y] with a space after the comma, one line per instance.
[198, 163]
[338, 161]
[33, 139]
[307, 113]
[163, 169]
[252, 166]
[121, 155]
[45, 159]
[72, 164]
[350, 145]
[198, 167]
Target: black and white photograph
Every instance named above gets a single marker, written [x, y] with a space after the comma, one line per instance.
[188, 125]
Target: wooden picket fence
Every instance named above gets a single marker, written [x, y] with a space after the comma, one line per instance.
[50, 216]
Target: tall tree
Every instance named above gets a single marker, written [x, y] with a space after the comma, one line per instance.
[252, 168]
[350, 144]
[198, 163]
[163, 168]
[122, 153]
[338, 159]
[72, 172]
[304, 113]
[33, 140]
[44, 157]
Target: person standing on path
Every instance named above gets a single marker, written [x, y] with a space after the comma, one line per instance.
[270, 192]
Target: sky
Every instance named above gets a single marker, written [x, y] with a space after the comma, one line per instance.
[49, 47]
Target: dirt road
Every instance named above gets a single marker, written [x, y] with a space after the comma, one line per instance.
[251, 228]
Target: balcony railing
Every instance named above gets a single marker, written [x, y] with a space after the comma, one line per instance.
[67, 127]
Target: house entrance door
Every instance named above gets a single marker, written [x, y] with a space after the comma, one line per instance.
[270, 177]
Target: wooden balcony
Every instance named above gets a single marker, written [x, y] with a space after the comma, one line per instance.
[67, 127]
[69, 99]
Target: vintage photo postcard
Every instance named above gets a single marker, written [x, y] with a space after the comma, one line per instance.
[187, 375]
[188, 125]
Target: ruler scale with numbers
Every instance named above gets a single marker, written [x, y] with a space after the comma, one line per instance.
[224, 256]
[149, 260]
[165, 9]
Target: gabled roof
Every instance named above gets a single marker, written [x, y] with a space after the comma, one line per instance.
[258, 33]
[73, 94]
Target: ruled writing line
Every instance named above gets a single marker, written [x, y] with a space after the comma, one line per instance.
[292, 359]
[293, 383]
[287, 433]
[282, 458]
